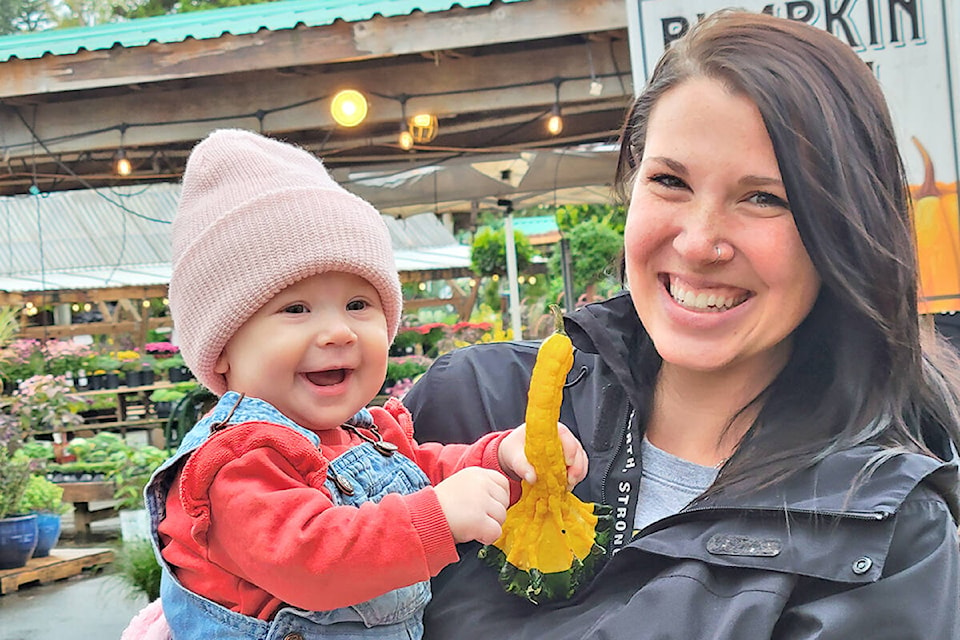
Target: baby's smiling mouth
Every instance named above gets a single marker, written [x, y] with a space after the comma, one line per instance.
[327, 377]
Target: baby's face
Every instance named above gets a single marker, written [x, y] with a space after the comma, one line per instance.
[317, 351]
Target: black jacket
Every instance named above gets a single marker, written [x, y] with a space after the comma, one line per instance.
[801, 560]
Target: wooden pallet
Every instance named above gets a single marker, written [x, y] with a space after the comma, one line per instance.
[60, 564]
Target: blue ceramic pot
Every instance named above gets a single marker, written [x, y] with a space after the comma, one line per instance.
[18, 539]
[48, 533]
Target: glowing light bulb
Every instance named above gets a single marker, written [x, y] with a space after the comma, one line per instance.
[348, 108]
[405, 140]
[555, 122]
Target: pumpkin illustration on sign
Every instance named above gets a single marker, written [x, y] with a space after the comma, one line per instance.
[552, 542]
[937, 226]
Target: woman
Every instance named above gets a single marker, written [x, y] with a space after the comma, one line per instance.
[777, 444]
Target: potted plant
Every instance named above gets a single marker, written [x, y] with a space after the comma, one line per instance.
[18, 532]
[130, 366]
[147, 369]
[45, 499]
[106, 372]
[130, 478]
[163, 401]
[65, 357]
[46, 403]
[175, 367]
[101, 408]
[19, 360]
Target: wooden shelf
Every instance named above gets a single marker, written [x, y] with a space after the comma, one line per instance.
[132, 413]
[125, 390]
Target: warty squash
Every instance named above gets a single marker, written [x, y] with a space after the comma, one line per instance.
[552, 542]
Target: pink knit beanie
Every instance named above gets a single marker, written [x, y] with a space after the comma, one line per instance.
[255, 216]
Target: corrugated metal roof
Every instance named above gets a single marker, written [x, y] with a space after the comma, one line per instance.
[202, 25]
[89, 229]
[117, 237]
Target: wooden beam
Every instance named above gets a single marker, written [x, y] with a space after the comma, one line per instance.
[91, 328]
[339, 42]
[92, 124]
[110, 294]
[427, 275]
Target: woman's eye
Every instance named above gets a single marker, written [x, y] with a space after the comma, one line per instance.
[357, 305]
[668, 180]
[295, 308]
[764, 199]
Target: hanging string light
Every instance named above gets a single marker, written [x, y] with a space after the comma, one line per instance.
[404, 138]
[348, 108]
[555, 121]
[423, 127]
[121, 163]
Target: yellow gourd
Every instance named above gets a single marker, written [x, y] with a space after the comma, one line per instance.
[552, 542]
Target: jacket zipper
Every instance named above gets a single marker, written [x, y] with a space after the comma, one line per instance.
[621, 436]
[872, 516]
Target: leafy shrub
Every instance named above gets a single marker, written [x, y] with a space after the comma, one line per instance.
[42, 495]
[139, 568]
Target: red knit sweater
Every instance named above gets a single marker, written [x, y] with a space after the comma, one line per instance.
[250, 525]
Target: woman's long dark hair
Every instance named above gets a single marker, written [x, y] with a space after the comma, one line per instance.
[858, 373]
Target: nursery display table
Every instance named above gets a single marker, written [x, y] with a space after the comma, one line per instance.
[81, 494]
[133, 411]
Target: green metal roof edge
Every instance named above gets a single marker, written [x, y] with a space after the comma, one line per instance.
[534, 225]
[204, 25]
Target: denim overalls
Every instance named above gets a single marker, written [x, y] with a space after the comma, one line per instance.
[396, 614]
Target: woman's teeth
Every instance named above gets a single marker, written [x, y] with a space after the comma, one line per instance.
[704, 301]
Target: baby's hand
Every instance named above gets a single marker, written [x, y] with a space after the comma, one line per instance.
[514, 461]
[474, 501]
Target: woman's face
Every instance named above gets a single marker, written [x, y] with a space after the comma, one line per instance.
[717, 271]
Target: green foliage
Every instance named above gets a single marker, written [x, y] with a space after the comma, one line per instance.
[42, 495]
[488, 252]
[103, 447]
[9, 316]
[46, 403]
[406, 368]
[174, 393]
[14, 476]
[131, 477]
[150, 8]
[139, 568]
[570, 216]
[596, 249]
[22, 15]
[165, 364]
[38, 450]
[104, 363]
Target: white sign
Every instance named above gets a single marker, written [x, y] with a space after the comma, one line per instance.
[904, 41]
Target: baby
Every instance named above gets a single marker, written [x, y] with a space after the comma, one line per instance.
[290, 508]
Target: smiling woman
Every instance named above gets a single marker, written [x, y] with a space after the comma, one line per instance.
[778, 443]
[709, 219]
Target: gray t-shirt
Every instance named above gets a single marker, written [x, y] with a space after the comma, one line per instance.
[668, 484]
